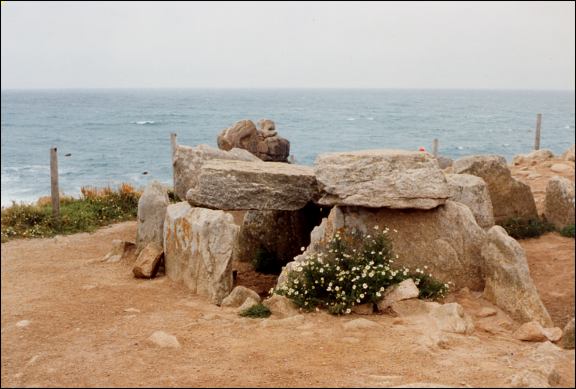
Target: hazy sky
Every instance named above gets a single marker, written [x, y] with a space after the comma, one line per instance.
[230, 45]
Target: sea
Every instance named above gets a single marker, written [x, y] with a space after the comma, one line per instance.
[107, 137]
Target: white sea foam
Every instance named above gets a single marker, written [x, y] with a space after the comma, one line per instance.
[144, 122]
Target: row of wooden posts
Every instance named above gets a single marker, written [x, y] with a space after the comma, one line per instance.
[55, 190]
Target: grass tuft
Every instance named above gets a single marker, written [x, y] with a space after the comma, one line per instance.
[258, 311]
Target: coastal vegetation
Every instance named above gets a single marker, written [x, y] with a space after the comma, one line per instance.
[526, 228]
[96, 207]
[353, 269]
[257, 311]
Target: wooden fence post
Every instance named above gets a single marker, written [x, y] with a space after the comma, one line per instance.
[173, 146]
[537, 135]
[435, 148]
[173, 143]
[55, 191]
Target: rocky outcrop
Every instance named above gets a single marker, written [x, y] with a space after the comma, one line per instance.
[280, 306]
[404, 290]
[380, 178]
[239, 295]
[559, 203]
[472, 191]
[452, 318]
[187, 162]
[151, 211]
[508, 281]
[534, 332]
[568, 155]
[446, 239]
[510, 197]
[533, 157]
[148, 261]
[198, 247]
[239, 185]
[281, 234]
[263, 142]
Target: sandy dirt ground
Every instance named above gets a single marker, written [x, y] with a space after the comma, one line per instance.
[88, 325]
[81, 334]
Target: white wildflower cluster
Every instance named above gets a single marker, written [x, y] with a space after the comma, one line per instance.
[353, 269]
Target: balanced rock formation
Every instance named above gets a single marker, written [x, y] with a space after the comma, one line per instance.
[508, 281]
[151, 211]
[381, 178]
[559, 205]
[446, 239]
[263, 142]
[472, 191]
[187, 162]
[281, 234]
[239, 185]
[198, 247]
[510, 197]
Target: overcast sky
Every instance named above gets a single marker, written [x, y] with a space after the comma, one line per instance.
[256, 45]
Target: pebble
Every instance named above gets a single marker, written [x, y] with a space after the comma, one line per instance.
[162, 339]
[132, 310]
[23, 323]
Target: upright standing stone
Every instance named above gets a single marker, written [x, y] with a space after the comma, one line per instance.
[508, 281]
[510, 197]
[198, 248]
[151, 211]
[446, 239]
[472, 192]
[380, 178]
[559, 206]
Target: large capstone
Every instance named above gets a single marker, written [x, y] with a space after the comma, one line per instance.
[508, 281]
[239, 185]
[510, 197]
[381, 178]
[198, 249]
[188, 160]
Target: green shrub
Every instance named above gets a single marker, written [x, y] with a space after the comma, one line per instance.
[352, 269]
[568, 231]
[523, 228]
[266, 262]
[256, 311]
[95, 208]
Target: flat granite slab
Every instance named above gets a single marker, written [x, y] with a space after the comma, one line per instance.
[381, 179]
[240, 185]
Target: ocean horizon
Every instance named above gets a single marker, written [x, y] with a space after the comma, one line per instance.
[115, 135]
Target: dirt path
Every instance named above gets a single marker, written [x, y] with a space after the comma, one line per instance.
[79, 333]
